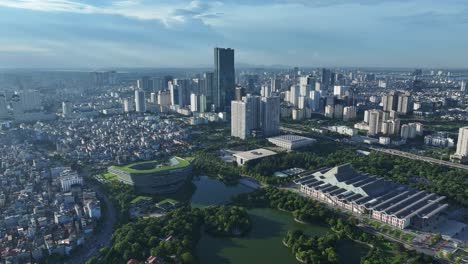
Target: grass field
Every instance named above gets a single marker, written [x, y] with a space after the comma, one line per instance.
[109, 176]
[140, 198]
[127, 168]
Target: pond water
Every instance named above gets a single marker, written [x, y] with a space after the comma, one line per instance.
[264, 242]
[210, 191]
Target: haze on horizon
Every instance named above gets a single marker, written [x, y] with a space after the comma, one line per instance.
[181, 33]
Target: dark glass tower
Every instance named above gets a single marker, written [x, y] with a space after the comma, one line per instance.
[224, 78]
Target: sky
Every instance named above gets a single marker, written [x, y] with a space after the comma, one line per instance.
[183, 33]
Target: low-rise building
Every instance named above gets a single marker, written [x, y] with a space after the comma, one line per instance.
[291, 142]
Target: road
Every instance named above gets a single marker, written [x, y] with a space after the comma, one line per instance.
[387, 151]
[103, 236]
[421, 158]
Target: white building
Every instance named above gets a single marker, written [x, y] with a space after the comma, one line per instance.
[461, 155]
[349, 113]
[69, 178]
[193, 102]
[67, 109]
[243, 157]
[140, 102]
[291, 142]
[439, 139]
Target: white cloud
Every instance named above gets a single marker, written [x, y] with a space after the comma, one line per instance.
[168, 12]
[9, 48]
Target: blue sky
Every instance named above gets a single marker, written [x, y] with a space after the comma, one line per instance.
[182, 33]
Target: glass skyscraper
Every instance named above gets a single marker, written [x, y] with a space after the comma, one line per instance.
[224, 78]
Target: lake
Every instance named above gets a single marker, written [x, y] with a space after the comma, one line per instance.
[264, 242]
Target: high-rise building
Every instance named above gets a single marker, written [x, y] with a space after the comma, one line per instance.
[202, 106]
[404, 103]
[375, 119]
[128, 105]
[140, 102]
[275, 84]
[349, 113]
[3, 106]
[245, 116]
[340, 91]
[145, 83]
[338, 111]
[255, 114]
[314, 101]
[326, 79]
[174, 91]
[224, 78]
[193, 102]
[294, 95]
[270, 115]
[463, 86]
[209, 90]
[67, 109]
[390, 101]
[461, 155]
[154, 98]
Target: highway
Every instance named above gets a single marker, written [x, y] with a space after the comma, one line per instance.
[421, 158]
[384, 150]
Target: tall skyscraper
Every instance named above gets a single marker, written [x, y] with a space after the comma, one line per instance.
[463, 86]
[326, 79]
[375, 119]
[461, 155]
[275, 84]
[145, 83]
[314, 101]
[140, 102]
[208, 90]
[390, 101]
[404, 103]
[255, 113]
[294, 95]
[193, 102]
[270, 115]
[224, 78]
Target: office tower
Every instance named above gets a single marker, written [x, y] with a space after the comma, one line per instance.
[326, 78]
[305, 83]
[239, 93]
[145, 84]
[175, 94]
[404, 103]
[164, 98]
[302, 102]
[340, 91]
[463, 86]
[224, 78]
[154, 98]
[390, 101]
[329, 111]
[338, 111]
[128, 105]
[208, 89]
[349, 113]
[193, 102]
[183, 88]
[375, 119]
[266, 91]
[462, 143]
[294, 95]
[275, 84]
[270, 115]
[140, 102]
[3, 106]
[67, 109]
[314, 100]
[318, 86]
[245, 116]
[202, 105]
[366, 116]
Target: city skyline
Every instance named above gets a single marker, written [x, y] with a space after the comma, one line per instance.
[366, 33]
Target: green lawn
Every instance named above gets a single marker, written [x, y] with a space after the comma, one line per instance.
[182, 163]
[140, 198]
[109, 176]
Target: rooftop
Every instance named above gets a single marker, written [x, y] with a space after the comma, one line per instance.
[255, 154]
